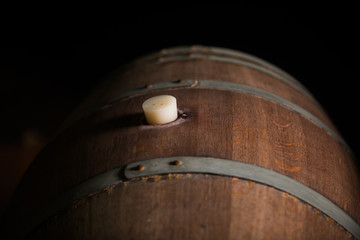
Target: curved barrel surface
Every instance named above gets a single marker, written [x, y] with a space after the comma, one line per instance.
[301, 179]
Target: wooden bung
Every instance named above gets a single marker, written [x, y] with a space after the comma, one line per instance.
[245, 153]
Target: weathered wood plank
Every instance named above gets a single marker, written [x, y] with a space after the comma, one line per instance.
[191, 206]
[220, 124]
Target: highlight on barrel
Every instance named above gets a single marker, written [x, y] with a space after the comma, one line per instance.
[245, 152]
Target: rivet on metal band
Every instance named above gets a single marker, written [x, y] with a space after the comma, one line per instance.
[236, 87]
[217, 54]
[249, 172]
[221, 55]
[187, 164]
[210, 84]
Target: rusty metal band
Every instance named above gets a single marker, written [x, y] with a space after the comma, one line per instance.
[189, 164]
[245, 171]
[212, 84]
[221, 55]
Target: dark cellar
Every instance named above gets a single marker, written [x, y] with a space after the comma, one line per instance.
[49, 62]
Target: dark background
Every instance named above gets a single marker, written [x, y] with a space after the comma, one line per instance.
[49, 61]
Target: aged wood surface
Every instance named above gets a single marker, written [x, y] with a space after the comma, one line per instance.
[231, 126]
[221, 124]
[201, 69]
[190, 206]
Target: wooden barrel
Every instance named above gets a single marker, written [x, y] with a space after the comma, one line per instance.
[251, 156]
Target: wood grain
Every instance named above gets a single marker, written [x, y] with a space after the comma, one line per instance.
[220, 124]
[189, 206]
[201, 69]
